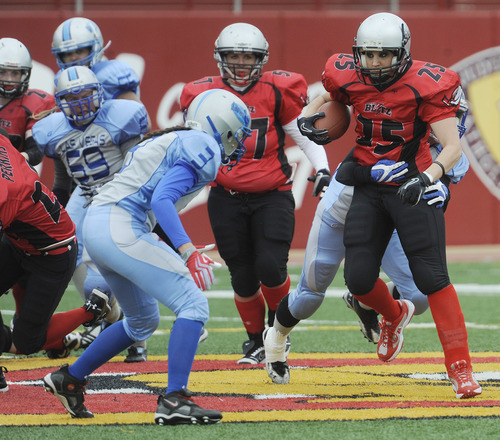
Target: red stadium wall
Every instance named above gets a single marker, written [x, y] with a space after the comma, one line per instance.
[178, 47]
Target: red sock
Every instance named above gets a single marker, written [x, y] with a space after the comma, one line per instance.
[252, 313]
[63, 323]
[273, 295]
[380, 300]
[18, 294]
[450, 325]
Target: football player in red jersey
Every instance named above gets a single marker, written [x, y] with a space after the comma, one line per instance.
[396, 102]
[18, 104]
[37, 243]
[251, 208]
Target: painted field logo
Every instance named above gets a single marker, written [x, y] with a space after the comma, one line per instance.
[324, 386]
[480, 75]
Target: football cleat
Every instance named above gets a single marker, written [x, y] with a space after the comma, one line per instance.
[253, 353]
[3, 382]
[462, 380]
[98, 304]
[368, 319]
[391, 337]
[69, 390]
[203, 335]
[71, 341]
[136, 353]
[277, 347]
[176, 408]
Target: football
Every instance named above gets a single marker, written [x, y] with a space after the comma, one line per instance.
[336, 120]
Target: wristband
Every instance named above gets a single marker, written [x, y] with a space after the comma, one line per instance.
[187, 253]
[429, 177]
[442, 167]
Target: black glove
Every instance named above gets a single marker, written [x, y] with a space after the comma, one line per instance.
[306, 127]
[412, 191]
[321, 181]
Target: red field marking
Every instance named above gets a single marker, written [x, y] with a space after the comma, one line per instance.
[324, 386]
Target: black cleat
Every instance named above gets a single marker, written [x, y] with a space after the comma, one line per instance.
[177, 409]
[98, 304]
[368, 319]
[3, 382]
[71, 341]
[136, 354]
[69, 390]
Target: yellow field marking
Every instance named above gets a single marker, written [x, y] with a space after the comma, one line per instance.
[351, 392]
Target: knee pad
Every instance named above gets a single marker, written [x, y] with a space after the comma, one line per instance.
[244, 283]
[195, 308]
[270, 273]
[304, 303]
[141, 328]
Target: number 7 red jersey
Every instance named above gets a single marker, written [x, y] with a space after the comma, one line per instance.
[273, 101]
[30, 215]
[392, 121]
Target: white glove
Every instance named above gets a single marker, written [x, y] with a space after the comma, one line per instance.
[437, 194]
[386, 170]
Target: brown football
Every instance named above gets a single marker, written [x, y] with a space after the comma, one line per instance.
[336, 120]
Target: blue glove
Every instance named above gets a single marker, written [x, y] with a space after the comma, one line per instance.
[437, 194]
[306, 128]
[321, 181]
[386, 170]
[412, 191]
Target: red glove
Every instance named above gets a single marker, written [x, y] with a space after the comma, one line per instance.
[200, 267]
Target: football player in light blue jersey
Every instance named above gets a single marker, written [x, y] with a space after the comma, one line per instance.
[90, 137]
[159, 177]
[78, 42]
[325, 252]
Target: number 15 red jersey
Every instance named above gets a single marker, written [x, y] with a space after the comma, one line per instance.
[392, 121]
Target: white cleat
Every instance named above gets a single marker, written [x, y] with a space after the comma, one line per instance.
[277, 347]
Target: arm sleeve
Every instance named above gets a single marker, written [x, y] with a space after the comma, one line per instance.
[62, 183]
[351, 173]
[35, 156]
[174, 184]
[314, 152]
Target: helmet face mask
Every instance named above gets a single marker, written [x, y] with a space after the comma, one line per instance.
[241, 38]
[73, 35]
[79, 94]
[461, 115]
[224, 116]
[14, 56]
[383, 33]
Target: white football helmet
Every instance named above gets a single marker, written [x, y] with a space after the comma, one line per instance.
[78, 33]
[14, 56]
[382, 32]
[241, 37]
[73, 81]
[224, 116]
